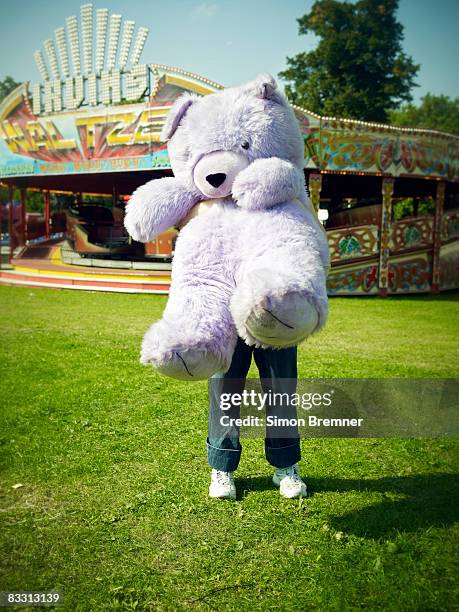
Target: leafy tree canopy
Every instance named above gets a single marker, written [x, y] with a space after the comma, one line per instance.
[434, 113]
[7, 86]
[358, 69]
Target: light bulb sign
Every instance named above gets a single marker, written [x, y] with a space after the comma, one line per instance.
[96, 107]
[108, 87]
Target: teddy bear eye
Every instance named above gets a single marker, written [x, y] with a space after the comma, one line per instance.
[245, 145]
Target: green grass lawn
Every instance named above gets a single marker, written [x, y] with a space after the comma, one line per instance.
[113, 507]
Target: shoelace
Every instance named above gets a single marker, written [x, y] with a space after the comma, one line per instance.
[223, 478]
[292, 472]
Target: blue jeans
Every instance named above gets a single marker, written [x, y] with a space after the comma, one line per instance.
[278, 372]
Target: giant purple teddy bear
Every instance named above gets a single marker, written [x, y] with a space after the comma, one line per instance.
[254, 263]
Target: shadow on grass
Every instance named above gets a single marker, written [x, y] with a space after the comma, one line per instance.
[409, 504]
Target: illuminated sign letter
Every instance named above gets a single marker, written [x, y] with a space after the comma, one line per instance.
[57, 142]
[74, 92]
[36, 97]
[92, 89]
[110, 87]
[53, 98]
[136, 83]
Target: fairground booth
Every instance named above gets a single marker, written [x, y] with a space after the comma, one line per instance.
[75, 145]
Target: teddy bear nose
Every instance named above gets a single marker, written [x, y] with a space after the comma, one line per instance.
[216, 179]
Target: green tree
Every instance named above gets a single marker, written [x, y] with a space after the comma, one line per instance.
[358, 69]
[434, 113]
[7, 86]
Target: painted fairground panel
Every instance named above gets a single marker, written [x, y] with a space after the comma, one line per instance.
[353, 242]
[410, 273]
[409, 259]
[349, 146]
[428, 154]
[310, 127]
[346, 146]
[354, 279]
[411, 233]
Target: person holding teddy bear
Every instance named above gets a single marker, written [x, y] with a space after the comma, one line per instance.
[250, 263]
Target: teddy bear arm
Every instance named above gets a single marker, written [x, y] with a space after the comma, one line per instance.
[156, 206]
[267, 182]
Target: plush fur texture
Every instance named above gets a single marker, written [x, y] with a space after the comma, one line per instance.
[253, 264]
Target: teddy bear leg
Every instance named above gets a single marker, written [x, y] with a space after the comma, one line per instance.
[271, 309]
[194, 339]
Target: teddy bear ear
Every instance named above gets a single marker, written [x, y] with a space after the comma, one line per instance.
[265, 86]
[175, 115]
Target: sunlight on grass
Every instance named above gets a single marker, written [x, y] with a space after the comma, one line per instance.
[113, 507]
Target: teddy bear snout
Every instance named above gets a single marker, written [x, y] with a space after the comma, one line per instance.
[214, 174]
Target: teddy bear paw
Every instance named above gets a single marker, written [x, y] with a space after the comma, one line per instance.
[135, 228]
[282, 321]
[189, 364]
[182, 364]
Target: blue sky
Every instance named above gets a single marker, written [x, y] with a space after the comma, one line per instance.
[230, 41]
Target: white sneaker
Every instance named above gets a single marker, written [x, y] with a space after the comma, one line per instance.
[222, 485]
[289, 482]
